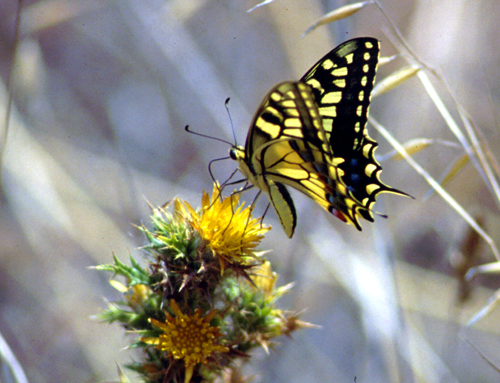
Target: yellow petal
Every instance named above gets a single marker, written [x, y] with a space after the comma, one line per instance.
[118, 286]
[175, 308]
[151, 340]
[189, 373]
[162, 326]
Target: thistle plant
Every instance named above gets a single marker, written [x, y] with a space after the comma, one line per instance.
[205, 296]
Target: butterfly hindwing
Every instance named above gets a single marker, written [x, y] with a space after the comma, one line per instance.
[311, 135]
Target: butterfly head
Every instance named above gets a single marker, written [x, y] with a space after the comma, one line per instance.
[237, 153]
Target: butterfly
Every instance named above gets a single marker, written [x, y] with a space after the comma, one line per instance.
[311, 135]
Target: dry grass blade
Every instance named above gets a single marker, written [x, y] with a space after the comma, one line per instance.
[45, 14]
[487, 360]
[482, 166]
[488, 176]
[452, 125]
[394, 79]
[452, 170]
[415, 145]
[412, 146]
[386, 60]
[8, 105]
[260, 5]
[433, 183]
[492, 304]
[11, 369]
[487, 268]
[337, 14]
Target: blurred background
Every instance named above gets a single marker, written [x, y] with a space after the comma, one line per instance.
[100, 93]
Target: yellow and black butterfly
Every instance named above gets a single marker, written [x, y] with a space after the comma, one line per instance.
[311, 135]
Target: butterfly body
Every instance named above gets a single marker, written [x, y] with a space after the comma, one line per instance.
[310, 134]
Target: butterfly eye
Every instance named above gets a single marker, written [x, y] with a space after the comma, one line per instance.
[232, 154]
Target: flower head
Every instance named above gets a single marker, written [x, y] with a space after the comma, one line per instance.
[188, 337]
[187, 251]
[229, 230]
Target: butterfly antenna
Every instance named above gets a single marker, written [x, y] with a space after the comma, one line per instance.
[186, 128]
[230, 119]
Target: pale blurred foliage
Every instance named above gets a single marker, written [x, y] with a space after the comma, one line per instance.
[101, 92]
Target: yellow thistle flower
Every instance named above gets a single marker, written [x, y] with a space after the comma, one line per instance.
[188, 337]
[265, 279]
[229, 230]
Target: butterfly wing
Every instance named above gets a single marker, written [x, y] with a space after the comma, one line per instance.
[341, 83]
[311, 135]
[288, 146]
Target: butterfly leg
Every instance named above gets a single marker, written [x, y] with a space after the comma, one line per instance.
[263, 215]
[233, 207]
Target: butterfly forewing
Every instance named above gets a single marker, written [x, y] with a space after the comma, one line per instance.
[342, 83]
